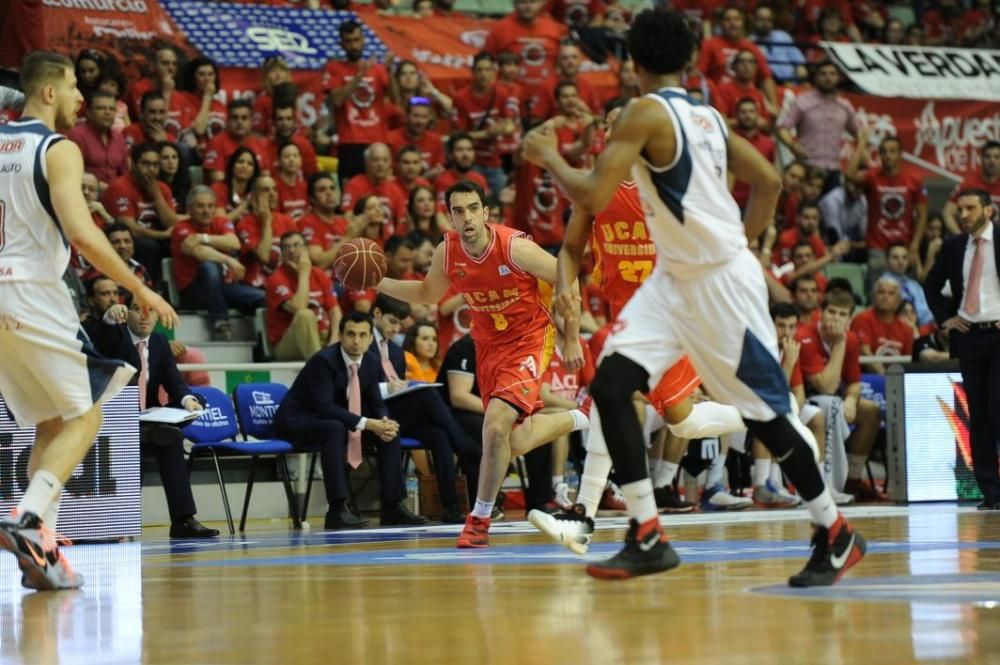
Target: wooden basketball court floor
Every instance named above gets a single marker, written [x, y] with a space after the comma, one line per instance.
[927, 592]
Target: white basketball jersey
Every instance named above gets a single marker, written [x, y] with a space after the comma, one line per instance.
[692, 217]
[33, 246]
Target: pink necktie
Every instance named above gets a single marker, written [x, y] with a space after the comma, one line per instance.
[143, 373]
[971, 304]
[354, 406]
[390, 371]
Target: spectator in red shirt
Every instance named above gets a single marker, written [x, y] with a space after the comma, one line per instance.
[323, 227]
[577, 129]
[276, 72]
[145, 205]
[488, 111]
[541, 103]
[377, 179]
[286, 130]
[715, 58]
[303, 314]
[461, 159]
[897, 202]
[804, 262]
[163, 81]
[292, 194]
[408, 81]
[422, 215]
[791, 194]
[417, 133]
[805, 297]
[92, 193]
[742, 87]
[532, 34]
[880, 330]
[748, 126]
[400, 252]
[357, 90]
[200, 82]
[150, 127]
[206, 270]
[260, 232]
[988, 180]
[830, 360]
[806, 229]
[232, 193]
[104, 151]
[940, 23]
[409, 166]
[237, 134]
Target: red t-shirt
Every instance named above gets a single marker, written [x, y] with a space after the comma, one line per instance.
[222, 196]
[186, 267]
[787, 241]
[715, 59]
[393, 196]
[568, 383]
[470, 110]
[732, 92]
[248, 230]
[306, 149]
[537, 44]
[576, 12]
[216, 113]
[991, 188]
[599, 338]
[319, 232]
[765, 145]
[449, 178]
[595, 302]
[430, 145]
[821, 284]
[540, 206]
[293, 200]
[624, 254]
[124, 198]
[813, 355]
[884, 339]
[892, 202]
[220, 149]
[263, 113]
[541, 99]
[361, 118]
[281, 287]
[179, 114]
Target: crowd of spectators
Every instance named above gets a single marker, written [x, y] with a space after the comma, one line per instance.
[245, 201]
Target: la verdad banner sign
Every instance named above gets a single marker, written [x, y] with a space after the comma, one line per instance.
[920, 72]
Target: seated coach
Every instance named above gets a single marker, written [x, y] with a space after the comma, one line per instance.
[126, 333]
[334, 403]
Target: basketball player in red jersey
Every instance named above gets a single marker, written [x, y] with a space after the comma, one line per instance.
[624, 256]
[497, 269]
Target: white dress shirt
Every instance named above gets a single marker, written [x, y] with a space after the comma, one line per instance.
[360, 427]
[145, 361]
[989, 285]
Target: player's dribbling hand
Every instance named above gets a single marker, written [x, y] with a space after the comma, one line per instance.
[151, 300]
[539, 144]
[573, 354]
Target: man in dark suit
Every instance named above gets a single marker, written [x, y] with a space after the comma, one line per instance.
[318, 414]
[423, 415]
[972, 316]
[126, 332]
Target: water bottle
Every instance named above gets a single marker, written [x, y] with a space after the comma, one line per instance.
[572, 480]
[413, 494]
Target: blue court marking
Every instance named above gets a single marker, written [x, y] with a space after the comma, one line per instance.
[690, 552]
[249, 543]
[945, 588]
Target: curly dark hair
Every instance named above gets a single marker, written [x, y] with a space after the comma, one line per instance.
[660, 41]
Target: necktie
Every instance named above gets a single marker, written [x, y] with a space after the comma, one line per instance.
[971, 304]
[143, 372]
[354, 406]
[390, 371]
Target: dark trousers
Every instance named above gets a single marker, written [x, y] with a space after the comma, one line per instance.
[150, 252]
[538, 462]
[329, 437]
[210, 292]
[423, 415]
[471, 425]
[166, 445]
[350, 161]
[978, 354]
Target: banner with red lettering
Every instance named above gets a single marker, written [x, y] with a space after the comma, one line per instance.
[947, 135]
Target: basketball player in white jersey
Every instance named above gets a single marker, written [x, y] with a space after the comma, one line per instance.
[50, 375]
[706, 297]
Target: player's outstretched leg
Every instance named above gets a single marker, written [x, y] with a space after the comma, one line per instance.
[837, 547]
[646, 548]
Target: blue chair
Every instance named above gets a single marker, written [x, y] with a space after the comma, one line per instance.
[215, 432]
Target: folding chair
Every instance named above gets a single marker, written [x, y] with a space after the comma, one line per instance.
[215, 432]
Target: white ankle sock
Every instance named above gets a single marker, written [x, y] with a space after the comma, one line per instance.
[664, 474]
[761, 471]
[856, 465]
[822, 509]
[556, 480]
[776, 476]
[715, 469]
[640, 501]
[482, 509]
[43, 489]
[51, 515]
[580, 420]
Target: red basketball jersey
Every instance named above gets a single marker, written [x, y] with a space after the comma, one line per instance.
[624, 255]
[504, 300]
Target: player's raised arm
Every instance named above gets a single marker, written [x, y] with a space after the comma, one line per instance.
[748, 165]
[426, 292]
[65, 171]
[592, 190]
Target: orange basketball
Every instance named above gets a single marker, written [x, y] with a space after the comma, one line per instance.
[360, 264]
